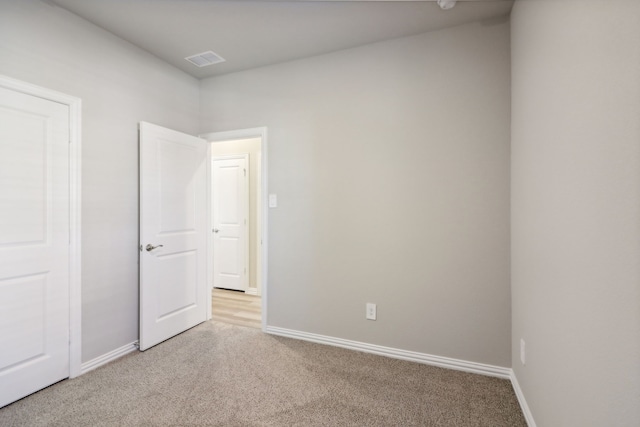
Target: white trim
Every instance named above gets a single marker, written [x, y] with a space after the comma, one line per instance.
[528, 416]
[251, 291]
[209, 229]
[230, 135]
[75, 204]
[412, 356]
[258, 279]
[109, 357]
[259, 132]
[75, 268]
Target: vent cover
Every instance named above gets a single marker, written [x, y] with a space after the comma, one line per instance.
[205, 58]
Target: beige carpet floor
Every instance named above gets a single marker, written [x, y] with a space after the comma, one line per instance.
[224, 375]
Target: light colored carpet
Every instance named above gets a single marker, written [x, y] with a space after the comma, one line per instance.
[224, 375]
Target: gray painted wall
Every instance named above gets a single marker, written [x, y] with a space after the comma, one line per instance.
[120, 85]
[391, 166]
[576, 210]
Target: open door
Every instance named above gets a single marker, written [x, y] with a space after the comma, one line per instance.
[173, 233]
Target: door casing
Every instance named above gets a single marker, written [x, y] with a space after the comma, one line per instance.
[259, 132]
[75, 203]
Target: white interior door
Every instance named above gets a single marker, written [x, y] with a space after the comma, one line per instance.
[230, 215]
[34, 244]
[173, 227]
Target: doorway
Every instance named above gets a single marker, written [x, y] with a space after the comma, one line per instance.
[231, 149]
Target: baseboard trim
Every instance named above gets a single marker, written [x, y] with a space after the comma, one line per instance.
[528, 416]
[108, 357]
[412, 356]
[251, 291]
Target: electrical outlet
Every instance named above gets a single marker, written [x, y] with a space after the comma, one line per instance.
[371, 311]
[522, 352]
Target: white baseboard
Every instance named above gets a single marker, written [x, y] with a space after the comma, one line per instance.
[108, 357]
[251, 291]
[412, 356]
[523, 403]
[427, 359]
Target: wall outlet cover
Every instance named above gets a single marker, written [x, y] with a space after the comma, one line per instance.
[371, 311]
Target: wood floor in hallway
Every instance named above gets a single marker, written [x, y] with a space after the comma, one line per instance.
[236, 307]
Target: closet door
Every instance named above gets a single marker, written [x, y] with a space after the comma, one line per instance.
[34, 244]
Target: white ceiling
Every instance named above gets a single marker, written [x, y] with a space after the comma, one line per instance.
[250, 34]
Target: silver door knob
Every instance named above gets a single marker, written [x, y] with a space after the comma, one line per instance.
[215, 230]
[150, 247]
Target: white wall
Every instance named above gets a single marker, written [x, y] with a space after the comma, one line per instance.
[119, 85]
[251, 147]
[391, 166]
[576, 209]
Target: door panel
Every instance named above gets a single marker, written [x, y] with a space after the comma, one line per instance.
[27, 342]
[173, 219]
[177, 209]
[28, 201]
[176, 269]
[230, 211]
[34, 244]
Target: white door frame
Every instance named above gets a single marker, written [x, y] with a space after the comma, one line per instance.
[75, 163]
[246, 211]
[259, 132]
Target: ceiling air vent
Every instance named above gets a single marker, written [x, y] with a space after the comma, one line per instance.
[205, 58]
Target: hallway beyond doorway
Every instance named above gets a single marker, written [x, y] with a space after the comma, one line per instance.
[237, 308]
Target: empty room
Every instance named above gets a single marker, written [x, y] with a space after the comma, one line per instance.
[420, 213]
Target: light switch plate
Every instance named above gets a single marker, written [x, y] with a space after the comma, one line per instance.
[273, 200]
